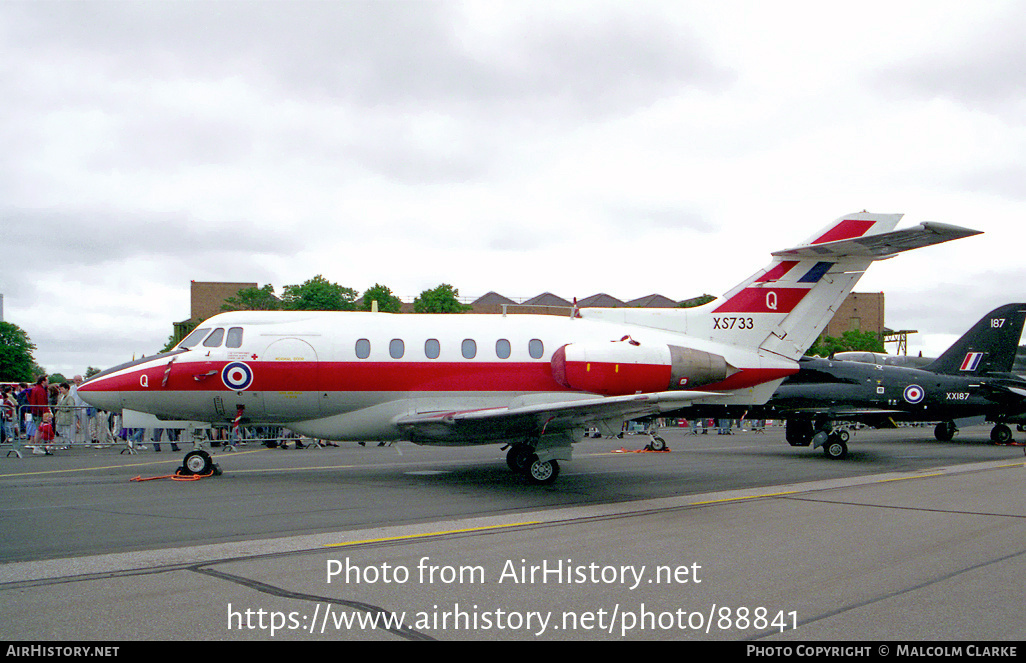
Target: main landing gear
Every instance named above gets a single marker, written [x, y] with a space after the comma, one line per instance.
[1001, 434]
[945, 431]
[835, 443]
[538, 458]
[803, 432]
[522, 459]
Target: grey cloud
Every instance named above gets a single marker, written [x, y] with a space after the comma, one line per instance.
[659, 218]
[988, 67]
[1006, 181]
[375, 68]
[167, 141]
[97, 237]
[377, 53]
[515, 240]
[933, 310]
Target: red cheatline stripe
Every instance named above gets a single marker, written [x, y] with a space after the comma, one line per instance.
[392, 377]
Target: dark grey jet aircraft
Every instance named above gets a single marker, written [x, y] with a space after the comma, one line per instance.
[972, 378]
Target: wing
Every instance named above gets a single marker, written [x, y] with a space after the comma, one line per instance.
[854, 413]
[491, 424]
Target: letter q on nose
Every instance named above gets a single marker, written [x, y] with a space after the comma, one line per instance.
[144, 381]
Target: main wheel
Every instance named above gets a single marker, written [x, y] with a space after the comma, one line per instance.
[835, 448]
[542, 472]
[197, 462]
[519, 457]
[1001, 434]
[945, 431]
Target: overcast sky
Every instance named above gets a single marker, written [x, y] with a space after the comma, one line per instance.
[620, 147]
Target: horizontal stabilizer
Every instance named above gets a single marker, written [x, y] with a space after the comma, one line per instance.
[882, 245]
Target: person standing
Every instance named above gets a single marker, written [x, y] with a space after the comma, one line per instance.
[38, 402]
[10, 410]
[21, 409]
[65, 414]
[82, 418]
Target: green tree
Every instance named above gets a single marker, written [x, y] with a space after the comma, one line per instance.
[319, 294]
[696, 301]
[182, 329]
[16, 362]
[443, 299]
[91, 371]
[253, 299]
[851, 340]
[383, 296]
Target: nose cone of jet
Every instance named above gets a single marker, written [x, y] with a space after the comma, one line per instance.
[110, 389]
[101, 393]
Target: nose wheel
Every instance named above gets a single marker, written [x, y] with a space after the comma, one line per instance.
[657, 443]
[198, 461]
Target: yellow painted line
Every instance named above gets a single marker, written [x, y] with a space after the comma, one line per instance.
[750, 497]
[115, 467]
[88, 469]
[296, 469]
[918, 476]
[427, 534]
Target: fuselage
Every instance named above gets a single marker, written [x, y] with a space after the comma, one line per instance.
[362, 370]
[897, 392]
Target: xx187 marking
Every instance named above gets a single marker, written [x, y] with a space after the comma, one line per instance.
[733, 323]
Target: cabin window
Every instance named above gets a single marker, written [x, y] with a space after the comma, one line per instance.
[214, 340]
[194, 338]
[362, 348]
[396, 348]
[469, 348]
[234, 338]
[502, 349]
[536, 348]
[431, 348]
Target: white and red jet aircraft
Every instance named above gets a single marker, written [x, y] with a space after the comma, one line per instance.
[529, 381]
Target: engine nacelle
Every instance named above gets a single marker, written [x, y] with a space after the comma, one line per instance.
[628, 367]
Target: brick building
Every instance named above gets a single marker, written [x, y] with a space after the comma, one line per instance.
[861, 311]
[206, 298]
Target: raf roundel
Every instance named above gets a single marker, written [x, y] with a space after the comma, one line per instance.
[914, 393]
[237, 376]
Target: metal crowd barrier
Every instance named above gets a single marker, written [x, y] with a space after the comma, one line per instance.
[91, 428]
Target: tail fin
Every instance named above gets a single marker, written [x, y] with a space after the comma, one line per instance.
[989, 347]
[783, 308]
[786, 306]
